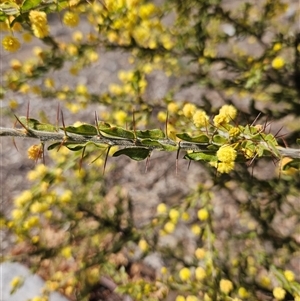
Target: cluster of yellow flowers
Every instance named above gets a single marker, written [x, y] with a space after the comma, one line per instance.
[39, 23]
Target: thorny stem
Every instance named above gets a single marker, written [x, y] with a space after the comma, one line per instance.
[45, 136]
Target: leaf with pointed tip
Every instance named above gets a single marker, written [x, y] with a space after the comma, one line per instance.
[118, 132]
[201, 139]
[34, 124]
[103, 125]
[83, 129]
[74, 147]
[198, 156]
[151, 134]
[53, 145]
[150, 142]
[219, 140]
[137, 154]
[29, 4]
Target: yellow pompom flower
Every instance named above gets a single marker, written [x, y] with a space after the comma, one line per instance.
[203, 214]
[174, 215]
[200, 253]
[39, 23]
[223, 167]
[25, 197]
[173, 107]
[120, 117]
[143, 245]
[66, 252]
[289, 275]
[226, 153]
[229, 111]
[196, 229]
[278, 63]
[200, 119]
[161, 116]
[11, 43]
[161, 208]
[180, 298]
[169, 227]
[200, 273]
[279, 293]
[34, 152]
[189, 110]
[226, 286]
[185, 274]
[243, 293]
[71, 19]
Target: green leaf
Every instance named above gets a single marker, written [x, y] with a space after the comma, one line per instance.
[152, 134]
[219, 140]
[53, 145]
[150, 142]
[74, 147]
[201, 139]
[118, 132]
[198, 156]
[29, 4]
[34, 124]
[83, 129]
[137, 154]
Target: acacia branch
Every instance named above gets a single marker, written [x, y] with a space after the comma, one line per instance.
[60, 136]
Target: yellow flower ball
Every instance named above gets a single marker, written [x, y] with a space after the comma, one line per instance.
[191, 298]
[169, 227]
[66, 252]
[180, 298]
[226, 286]
[226, 153]
[200, 273]
[279, 293]
[71, 19]
[35, 152]
[200, 253]
[189, 110]
[174, 215]
[16, 282]
[289, 275]
[278, 63]
[196, 229]
[200, 119]
[161, 208]
[185, 274]
[203, 214]
[143, 245]
[11, 43]
[243, 293]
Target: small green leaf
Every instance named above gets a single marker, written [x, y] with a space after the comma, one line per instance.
[30, 4]
[198, 156]
[150, 142]
[53, 145]
[74, 147]
[83, 129]
[118, 132]
[219, 140]
[201, 139]
[137, 154]
[152, 134]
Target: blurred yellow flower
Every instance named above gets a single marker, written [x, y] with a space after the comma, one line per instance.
[200, 119]
[279, 293]
[11, 43]
[71, 19]
[278, 62]
[161, 208]
[203, 214]
[226, 286]
[185, 274]
[289, 275]
[200, 273]
[189, 110]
